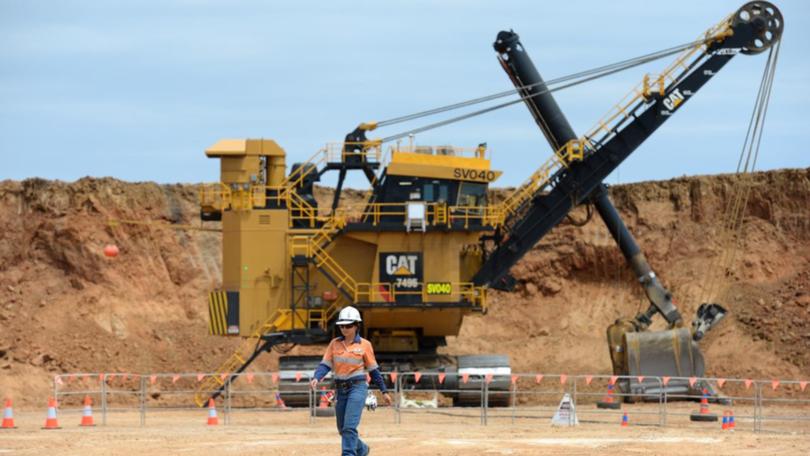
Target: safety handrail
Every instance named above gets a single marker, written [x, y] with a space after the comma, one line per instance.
[623, 109]
[570, 152]
[481, 152]
[368, 151]
[214, 195]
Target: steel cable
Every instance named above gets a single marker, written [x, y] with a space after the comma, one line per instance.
[522, 98]
[732, 220]
[624, 64]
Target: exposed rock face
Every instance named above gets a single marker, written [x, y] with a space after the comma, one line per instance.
[65, 307]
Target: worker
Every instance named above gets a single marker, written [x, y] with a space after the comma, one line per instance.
[350, 356]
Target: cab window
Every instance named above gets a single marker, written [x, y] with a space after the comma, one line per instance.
[472, 194]
[435, 191]
[428, 192]
[442, 193]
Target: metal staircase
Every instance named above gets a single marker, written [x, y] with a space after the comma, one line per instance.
[214, 383]
[311, 247]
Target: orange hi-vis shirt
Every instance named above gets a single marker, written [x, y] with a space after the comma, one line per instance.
[349, 360]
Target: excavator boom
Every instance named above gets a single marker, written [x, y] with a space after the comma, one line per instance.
[674, 352]
[610, 143]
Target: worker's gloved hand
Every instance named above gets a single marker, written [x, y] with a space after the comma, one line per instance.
[387, 399]
[313, 383]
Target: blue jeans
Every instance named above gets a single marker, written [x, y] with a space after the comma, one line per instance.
[350, 402]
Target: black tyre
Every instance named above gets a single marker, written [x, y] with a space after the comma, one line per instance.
[465, 361]
[609, 405]
[703, 417]
[296, 393]
[499, 389]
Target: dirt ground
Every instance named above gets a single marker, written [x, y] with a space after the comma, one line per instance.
[419, 433]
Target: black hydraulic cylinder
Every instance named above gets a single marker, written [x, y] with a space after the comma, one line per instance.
[656, 293]
[627, 244]
[527, 80]
[551, 120]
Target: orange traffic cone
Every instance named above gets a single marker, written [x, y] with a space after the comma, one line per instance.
[8, 417]
[212, 413]
[607, 402]
[703, 414]
[279, 401]
[51, 422]
[87, 414]
[704, 404]
[324, 399]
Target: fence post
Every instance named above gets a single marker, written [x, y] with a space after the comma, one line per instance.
[142, 400]
[103, 378]
[513, 386]
[311, 402]
[662, 410]
[666, 401]
[398, 400]
[757, 407]
[481, 407]
[572, 416]
[228, 384]
[484, 400]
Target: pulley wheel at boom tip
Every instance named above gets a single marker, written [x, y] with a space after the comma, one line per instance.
[767, 22]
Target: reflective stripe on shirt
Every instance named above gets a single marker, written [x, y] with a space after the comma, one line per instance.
[343, 359]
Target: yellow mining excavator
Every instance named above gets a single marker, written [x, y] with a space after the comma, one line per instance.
[421, 251]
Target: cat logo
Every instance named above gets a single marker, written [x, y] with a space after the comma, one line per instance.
[674, 100]
[400, 265]
[727, 51]
[401, 272]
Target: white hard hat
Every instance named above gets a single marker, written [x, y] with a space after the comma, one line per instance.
[348, 315]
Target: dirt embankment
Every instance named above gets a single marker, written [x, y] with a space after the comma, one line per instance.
[65, 307]
[575, 282]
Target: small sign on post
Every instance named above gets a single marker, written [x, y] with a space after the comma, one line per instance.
[566, 414]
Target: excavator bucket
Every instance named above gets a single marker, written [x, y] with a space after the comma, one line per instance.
[670, 353]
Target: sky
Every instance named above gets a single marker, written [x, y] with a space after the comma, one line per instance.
[137, 90]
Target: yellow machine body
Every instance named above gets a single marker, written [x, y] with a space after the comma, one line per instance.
[288, 266]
